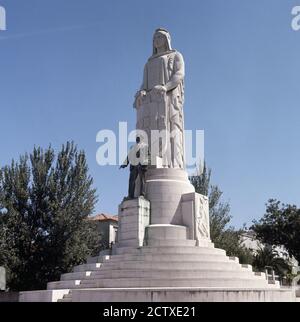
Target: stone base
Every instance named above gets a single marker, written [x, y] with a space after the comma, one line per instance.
[43, 296]
[9, 297]
[164, 190]
[134, 216]
[179, 295]
[166, 270]
[167, 294]
[167, 259]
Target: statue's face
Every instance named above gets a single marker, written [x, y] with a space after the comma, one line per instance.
[160, 40]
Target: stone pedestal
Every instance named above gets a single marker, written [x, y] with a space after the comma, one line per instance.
[134, 216]
[164, 190]
[159, 235]
[195, 216]
[163, 253]
[174, 202]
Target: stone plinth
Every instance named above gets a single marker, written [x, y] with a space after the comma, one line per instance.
[195, 216]
[191, 294]
[167, 269]
[164, 189]
[43, 296]
[163, 254]
[134, 216]
[157, 234]
[159, 261]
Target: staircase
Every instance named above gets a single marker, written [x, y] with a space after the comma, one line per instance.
[164, 267]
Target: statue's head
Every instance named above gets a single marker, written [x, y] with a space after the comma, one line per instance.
[161, 41]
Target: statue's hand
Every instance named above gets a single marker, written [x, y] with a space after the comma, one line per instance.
[160, 89]
[138, 98]
[141, 93]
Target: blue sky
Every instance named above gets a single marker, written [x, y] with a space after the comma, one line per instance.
[71, 68]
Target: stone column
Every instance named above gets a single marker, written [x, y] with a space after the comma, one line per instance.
[164, 189]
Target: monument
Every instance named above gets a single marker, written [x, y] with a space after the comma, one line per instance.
[164, 251]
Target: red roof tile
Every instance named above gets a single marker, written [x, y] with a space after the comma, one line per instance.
[104, 217]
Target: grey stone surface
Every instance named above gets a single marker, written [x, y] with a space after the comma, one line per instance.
[164, 273]
[164, 190]
[134, 216]
[9, 297]
[165, 232]
[181, 295]
[159, 102]
[2, 279]
[195, 215]
[43, 296]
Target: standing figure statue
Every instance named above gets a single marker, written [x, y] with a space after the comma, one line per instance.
[159, 102]
[138, 158]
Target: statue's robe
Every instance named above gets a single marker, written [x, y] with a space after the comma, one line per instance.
[167, 69]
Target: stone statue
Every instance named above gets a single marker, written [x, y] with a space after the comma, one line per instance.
[159, 102]
[201, 215]
[138, 158]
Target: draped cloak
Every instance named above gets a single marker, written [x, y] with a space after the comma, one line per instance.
[167, 69]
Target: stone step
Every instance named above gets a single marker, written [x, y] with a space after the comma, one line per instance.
[70, 284]
[247, 267]
[155, 273]
[170, 242]
[179, 295]
[167, 249]
[65, 300]
[140, 265]
[174, 258]
[75, 276]
[168, 257]
[165, 274]
[87, 267]
[170, 250]
[233, 282]
[210, 266]
[131, 243]
[260, 274]
[98, 259]
[68, 295]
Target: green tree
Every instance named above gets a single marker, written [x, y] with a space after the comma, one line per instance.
[268, 256]
[280, 226]
[45, 231]
[222, 234]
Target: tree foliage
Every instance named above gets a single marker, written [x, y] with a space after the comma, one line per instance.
[222, 234]
[280, 226]
[45, 231]
[268, 257]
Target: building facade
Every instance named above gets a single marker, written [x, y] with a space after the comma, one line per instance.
[107, 226]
